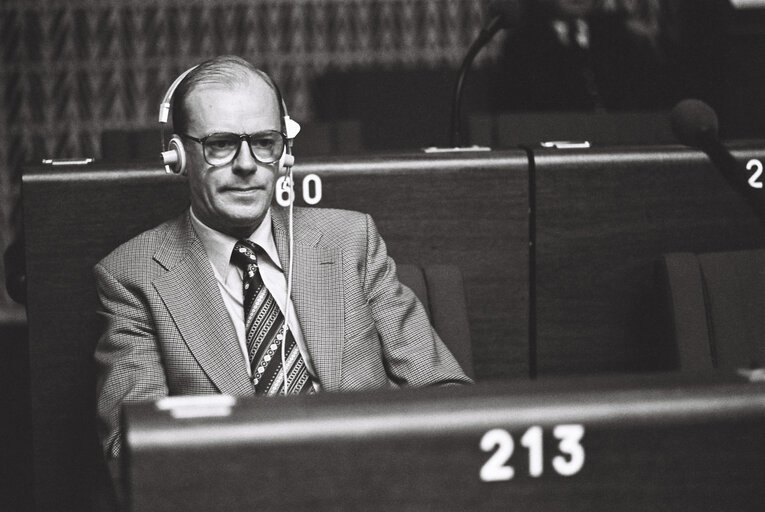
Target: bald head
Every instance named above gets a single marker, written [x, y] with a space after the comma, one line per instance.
[226, 72]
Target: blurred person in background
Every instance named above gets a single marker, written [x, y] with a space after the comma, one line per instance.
[586, 55]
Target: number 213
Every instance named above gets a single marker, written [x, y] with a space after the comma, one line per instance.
[569, 462]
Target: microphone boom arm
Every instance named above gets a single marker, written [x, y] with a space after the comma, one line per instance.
[455, 136]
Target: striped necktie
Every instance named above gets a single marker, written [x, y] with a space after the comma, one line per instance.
[264, 328]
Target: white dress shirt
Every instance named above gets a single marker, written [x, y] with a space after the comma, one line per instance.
[219, 248]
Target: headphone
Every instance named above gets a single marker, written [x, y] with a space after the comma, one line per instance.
[174, 155]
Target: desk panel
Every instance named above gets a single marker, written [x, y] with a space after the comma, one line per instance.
[603, 217]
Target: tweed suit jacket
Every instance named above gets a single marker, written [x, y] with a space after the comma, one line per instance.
[167, 330]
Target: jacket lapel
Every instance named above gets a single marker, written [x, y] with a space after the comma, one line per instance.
[317, 293]
[190, 293]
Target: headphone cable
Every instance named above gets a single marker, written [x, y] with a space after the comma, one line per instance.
[289, 279]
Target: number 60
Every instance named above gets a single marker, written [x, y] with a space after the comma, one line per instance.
[285, 193]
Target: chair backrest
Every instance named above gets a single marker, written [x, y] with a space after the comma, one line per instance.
[441, 290]
[715, 308]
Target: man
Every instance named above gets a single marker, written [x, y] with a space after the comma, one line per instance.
[197, 305]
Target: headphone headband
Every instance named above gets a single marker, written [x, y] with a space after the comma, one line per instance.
[164, 107]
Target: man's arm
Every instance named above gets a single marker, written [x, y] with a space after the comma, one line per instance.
[413, 353]
[128, 360]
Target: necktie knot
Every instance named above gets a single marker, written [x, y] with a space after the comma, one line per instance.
[244, 254]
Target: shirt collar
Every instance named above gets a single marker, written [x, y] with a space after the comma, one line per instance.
[219, 246]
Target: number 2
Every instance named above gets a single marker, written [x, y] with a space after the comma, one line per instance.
[754, 179]
[495, 470]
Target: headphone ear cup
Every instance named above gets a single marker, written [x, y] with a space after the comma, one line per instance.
[286, 161]
[175, 156]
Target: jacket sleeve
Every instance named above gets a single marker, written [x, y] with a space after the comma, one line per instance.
[128, 360]
[413, 353]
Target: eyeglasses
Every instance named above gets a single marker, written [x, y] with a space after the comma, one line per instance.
[220, 149]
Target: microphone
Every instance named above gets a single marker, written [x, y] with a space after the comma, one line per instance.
[503, 14]
[694, 123]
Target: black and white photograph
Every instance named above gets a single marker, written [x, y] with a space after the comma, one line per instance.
[382, 255]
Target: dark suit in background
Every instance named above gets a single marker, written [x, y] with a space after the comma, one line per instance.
[542, 70]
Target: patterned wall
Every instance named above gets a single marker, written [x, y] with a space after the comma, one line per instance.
[74, 68]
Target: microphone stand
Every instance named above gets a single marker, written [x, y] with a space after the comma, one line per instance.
[455, 137]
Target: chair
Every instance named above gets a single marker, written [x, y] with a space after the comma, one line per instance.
[715, 308]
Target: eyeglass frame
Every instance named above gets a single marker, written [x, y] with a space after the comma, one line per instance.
[243, 137]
